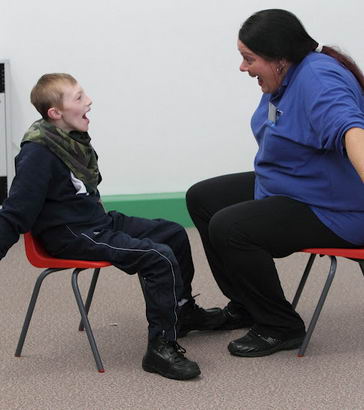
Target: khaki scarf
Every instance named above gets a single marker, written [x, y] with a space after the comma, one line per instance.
[73, 148]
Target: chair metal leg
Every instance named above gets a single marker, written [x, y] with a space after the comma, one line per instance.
[361, 264]
[85, 320]
[303, 280]
[319, 306]
[31, 307]
[90, 295]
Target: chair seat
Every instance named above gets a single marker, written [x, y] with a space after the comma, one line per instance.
[346, 253]
[38, 257]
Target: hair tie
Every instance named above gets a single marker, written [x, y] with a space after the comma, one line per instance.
[319, 48]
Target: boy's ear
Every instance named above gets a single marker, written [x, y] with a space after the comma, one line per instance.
[54, 113]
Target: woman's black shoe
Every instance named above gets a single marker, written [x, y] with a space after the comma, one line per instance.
[254, 344]
[235, 319]
[167, 358]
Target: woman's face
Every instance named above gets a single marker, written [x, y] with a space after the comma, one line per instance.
[270, 74]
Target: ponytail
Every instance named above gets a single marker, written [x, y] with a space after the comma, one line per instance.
[346, 61]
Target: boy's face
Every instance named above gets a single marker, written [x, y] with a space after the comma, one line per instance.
[76, 104]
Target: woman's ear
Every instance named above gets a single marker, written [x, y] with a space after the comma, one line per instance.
[282, 66]
[54, 113]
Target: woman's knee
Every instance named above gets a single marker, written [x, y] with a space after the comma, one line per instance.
[219, 229]
[195, 196]
[230, 228]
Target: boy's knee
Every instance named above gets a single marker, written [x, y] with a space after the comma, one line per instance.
[165, 252]
[180, 230]
[176, 233]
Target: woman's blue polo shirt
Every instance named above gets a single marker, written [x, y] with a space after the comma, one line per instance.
[301, 154]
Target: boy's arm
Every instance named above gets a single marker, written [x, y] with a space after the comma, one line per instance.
[7, 236]
[27, 194]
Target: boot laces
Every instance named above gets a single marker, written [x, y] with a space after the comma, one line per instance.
[176, 350]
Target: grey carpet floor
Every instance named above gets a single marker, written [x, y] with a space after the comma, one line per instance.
[57, 369]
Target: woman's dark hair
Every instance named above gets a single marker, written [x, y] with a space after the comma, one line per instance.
[277, 34]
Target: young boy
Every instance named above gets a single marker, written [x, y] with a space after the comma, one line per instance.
[54, 194]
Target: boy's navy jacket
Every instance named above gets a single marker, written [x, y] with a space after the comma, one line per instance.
[43, 197]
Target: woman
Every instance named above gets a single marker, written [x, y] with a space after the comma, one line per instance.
[307, 188]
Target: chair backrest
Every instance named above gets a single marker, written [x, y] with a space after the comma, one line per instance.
[39, 258]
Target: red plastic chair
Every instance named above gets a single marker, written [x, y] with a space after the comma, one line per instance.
[38, 257]
[356, 255]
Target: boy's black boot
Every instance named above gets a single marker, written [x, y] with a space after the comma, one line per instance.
[167, 358]
[194, 317]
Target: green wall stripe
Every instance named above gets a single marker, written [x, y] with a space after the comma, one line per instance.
[170, 205]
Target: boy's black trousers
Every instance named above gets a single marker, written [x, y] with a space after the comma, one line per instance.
[158, 250]
[241, 236]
